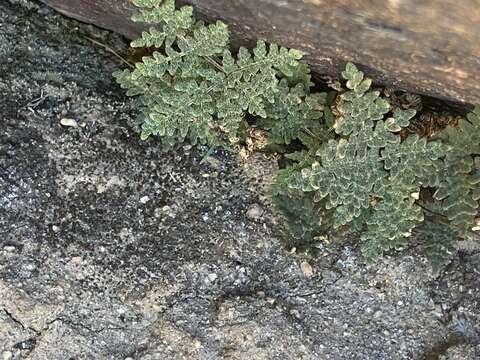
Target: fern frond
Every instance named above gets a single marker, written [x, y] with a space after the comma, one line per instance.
[459, 188]
[192, 87]
[369, 177]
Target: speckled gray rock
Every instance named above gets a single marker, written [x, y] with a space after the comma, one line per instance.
[112, 249]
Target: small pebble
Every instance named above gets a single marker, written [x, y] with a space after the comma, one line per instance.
[144, 199]
[165, 210]
[213, 162]
[306, 269]
[254, 212]
[76, 260]
[7, 355]
[196, 344]
[212, 277]
[69, 122]
[56, 228]
[295, 313]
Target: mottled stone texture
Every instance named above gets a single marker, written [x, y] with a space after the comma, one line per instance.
[430, 47]
[113, 249]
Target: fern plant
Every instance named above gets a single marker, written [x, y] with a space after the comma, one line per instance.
[371, 181]
[352, 170]
[192, 86]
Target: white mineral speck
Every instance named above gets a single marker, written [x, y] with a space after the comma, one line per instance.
[69, 122]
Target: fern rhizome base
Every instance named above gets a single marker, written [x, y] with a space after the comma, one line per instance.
[360, 165]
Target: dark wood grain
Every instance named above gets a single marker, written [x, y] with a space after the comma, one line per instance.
[425, 46]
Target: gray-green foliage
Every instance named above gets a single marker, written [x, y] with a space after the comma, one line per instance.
[439, 242]
[292, 111]
[193, 87]
[459, 188]
[351, 171]
[371, 181]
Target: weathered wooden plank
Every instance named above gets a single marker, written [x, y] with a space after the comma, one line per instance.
[426, 46]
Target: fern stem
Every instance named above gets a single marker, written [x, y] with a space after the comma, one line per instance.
[109, 49]
[444, 217]
[430, 211]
